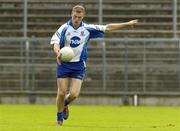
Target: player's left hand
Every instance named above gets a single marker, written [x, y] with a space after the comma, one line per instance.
[133, 22]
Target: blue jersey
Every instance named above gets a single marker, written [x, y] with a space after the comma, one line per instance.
[78, 40]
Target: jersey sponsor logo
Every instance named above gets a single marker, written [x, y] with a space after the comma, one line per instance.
[75, 41]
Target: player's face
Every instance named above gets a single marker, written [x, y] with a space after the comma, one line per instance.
[76, 19]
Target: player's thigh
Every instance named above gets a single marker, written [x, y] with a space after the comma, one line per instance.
[62, 84]
[75, 86]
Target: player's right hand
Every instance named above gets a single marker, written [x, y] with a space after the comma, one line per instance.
[58, 58]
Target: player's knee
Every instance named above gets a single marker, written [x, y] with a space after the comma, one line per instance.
[61, 93]
[74, 95]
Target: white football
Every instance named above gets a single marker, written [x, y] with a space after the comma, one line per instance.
[66, 54]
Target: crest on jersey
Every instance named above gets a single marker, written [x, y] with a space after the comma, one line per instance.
[75, 41]
[82, 33]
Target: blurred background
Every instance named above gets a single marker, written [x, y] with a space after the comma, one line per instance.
[139, 66]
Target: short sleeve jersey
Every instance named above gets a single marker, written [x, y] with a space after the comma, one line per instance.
[77, 39]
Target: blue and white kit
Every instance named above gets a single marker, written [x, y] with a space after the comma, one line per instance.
[78, 40]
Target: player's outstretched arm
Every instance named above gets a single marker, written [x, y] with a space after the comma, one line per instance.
[117, 26]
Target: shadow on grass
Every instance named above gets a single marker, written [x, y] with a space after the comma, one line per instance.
[94, 126]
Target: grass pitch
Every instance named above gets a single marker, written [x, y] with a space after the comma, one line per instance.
[89, 118]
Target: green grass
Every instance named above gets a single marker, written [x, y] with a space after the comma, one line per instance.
[89, 118]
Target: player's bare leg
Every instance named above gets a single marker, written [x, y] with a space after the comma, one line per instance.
[75, 88]
[62, 84]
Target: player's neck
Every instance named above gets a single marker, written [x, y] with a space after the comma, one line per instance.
[76, 25]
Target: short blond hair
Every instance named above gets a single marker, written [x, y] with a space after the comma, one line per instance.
[78, 9]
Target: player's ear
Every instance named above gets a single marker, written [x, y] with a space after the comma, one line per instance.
[71, 14]
[83, 17]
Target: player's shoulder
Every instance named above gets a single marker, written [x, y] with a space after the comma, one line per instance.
[93, 27]
[63, 26]
[88, 25]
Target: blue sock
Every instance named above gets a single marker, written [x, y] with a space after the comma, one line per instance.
[59, 116]
[66, 102]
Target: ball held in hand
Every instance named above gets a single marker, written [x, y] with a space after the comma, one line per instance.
[66, 54]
